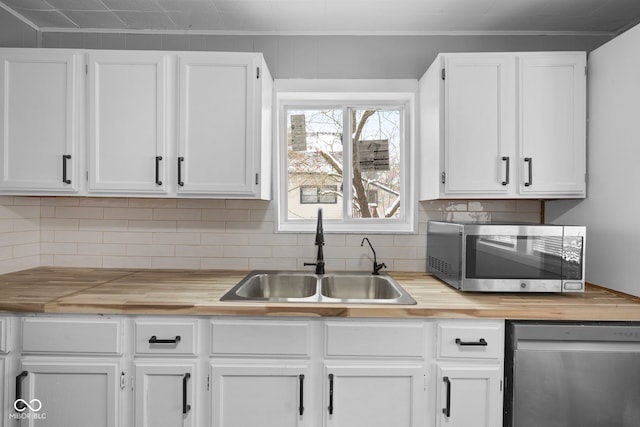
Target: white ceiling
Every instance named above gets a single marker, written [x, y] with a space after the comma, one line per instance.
[331, 16]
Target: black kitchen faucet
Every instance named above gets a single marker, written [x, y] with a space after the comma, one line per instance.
[319, 243]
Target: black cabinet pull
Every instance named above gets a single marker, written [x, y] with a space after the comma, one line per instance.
[19, 405]
[330, 394]
[447, 409]
[185, 407]
[154, 340]
[529, 161]
[158, 159]
[506, 174]
[180, 181]
[481, 342]
[65, 157]
[301, 407]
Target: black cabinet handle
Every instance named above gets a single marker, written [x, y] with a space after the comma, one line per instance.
[506, 177]
[185, 407]
[19, 405]
[447, 409]
[65, 157]
[301, 399]
[155, 340]
[330, 394]
[158, 159]
[480, 342]
[529, 161]
[180, 182]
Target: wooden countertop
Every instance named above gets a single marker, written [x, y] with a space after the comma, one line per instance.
[198, 292]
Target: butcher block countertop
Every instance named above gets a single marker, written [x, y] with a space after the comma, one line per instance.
[198, 292]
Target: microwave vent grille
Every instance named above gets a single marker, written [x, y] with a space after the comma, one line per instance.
[440, 266]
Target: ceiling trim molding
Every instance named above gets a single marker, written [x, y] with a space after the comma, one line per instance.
[20, 17]
[326, 33]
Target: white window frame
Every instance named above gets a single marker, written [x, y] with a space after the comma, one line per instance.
[354, 93]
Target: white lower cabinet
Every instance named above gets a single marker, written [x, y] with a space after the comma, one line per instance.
[260, 394]
[377, 395]
[55, 391]
[161, 371]
[168, 380]
[469, 371]
[70, 372]
[469, 396]
[164, 393]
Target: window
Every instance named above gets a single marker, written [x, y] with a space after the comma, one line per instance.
[349, 154]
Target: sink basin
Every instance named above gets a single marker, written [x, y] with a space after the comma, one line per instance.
[261, 286]
[348, 286]
[333, 287]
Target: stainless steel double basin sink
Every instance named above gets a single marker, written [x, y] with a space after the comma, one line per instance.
[335, 287]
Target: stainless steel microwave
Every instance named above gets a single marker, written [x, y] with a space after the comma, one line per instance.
[491, 257]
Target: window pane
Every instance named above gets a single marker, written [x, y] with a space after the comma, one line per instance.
[314, 161]
[376, 137]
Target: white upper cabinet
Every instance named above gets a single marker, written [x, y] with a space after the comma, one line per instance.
[158, 124]
[128, 116]
[479, 122]
[223, 133]
[503, 125]
[39, 121]
[552, 123]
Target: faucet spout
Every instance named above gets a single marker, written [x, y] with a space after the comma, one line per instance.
[319, 243]
[376, 267]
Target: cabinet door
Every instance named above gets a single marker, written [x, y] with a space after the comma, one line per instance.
[217, 118]
[128, 118]
[479, 124]
[70, 393]
[374, 396]
[469, 396]
[552, 98]
[259, 395]
[164, 394]
[39, 92]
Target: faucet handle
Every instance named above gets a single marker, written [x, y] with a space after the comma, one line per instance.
[377, 267]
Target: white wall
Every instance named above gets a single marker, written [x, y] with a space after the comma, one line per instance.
[330, 57]
[613, 150]
[15, 33]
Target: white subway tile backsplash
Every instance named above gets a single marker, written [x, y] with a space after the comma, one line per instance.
[6, 225]
[151, 250]
[177, 214]
[176, 263]
[127, 237]
[208, 234]
[77, 236]
[247, 251]
[59, 248]
[88, 261]
[101, 249]
[199, 251]
[128, 213]
[222, 238]
[126, 262]
[226, 215]
[225, 263]
[79, 212]
[175, 238]
[152, 226]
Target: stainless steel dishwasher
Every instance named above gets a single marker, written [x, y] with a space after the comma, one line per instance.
[568, 374]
